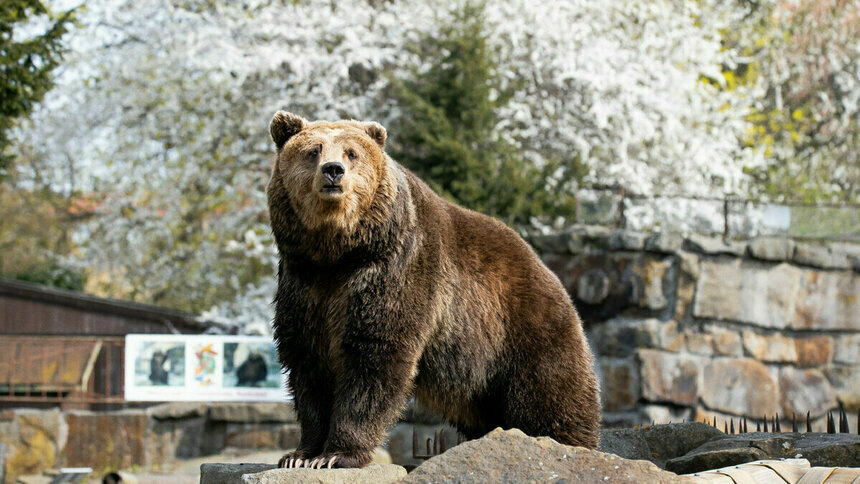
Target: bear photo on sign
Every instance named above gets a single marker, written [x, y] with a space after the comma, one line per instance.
[386, 290]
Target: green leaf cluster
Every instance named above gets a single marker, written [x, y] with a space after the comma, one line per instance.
[805, 122]
[449, 128]
[26, 65]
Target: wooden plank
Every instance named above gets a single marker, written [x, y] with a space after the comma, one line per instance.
[753, 474]
[844, 475]
[88, 370]
[816, 475]
[790, 473]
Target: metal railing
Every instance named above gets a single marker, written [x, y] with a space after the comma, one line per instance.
[65, 370]
[731, 217]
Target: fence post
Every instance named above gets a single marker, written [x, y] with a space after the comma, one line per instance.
[2, 462]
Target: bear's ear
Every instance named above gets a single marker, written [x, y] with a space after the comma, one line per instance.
[376, 132]
[284, 126]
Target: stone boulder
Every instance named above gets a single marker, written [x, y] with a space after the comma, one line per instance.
[252, 412]
[270, 474]
[834, 450]
[512, 456]
[372, 474]
[657, 443]
[230, 473]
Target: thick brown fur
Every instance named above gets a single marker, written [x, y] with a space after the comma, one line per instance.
[387, 290]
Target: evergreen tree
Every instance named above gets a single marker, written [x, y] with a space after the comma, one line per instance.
[448, 132]
[26, 64]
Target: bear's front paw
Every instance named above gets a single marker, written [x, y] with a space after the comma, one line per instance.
[338, 461]
[293, 460]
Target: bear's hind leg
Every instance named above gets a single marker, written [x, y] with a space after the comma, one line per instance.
[558, 401]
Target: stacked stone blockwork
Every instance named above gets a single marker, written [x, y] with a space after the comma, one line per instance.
[698, 327]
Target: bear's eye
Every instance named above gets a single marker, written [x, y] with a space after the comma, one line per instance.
[351, 154]
[315, 152]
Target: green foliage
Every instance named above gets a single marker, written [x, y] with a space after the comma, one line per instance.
[54, 275]
[35, 229]
[448, 133]
[26, 65]
[801, 56]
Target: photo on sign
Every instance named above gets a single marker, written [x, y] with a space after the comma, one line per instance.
[251, 365]
[160, 363]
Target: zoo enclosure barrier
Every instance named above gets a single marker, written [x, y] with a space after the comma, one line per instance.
[730, 217]
[69, 370]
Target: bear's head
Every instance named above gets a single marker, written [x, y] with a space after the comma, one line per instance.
[332, 173]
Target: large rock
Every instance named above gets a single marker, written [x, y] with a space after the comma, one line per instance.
[841, 450]
[705, 460]
[725, 342]
[814, 350]
[169, 439]
[689, 268]
[847, 349]
[512, 456]
[846, 382]
[252, 412]
[777, 296]
[833, 450]
[823, 257]
[651, 282]
[804, 391]
[772, 248]
[622, 336]
[666, 242]
[619, 382]
[740, 387]
[372, 474]
[106, 441]
[177, 410]
[230, 473]
[713, 245]
[620, 239]
[669, 377]
[754, 293]
[828, 300]
[657, 443]
[34, 440]
[773, 347]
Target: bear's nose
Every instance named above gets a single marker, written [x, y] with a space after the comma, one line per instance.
[333, 171]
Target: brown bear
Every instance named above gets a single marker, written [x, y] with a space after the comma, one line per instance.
[386, 290]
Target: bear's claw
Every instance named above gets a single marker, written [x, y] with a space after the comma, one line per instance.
[317, 463]
[292, 460]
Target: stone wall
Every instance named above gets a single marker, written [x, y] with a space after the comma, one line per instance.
[689, 328]
[150, 438]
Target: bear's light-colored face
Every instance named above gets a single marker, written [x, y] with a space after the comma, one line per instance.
[331, 172]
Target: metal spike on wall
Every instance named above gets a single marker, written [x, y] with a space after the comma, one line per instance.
[758, 426]
[778, 427]
[794, 422]
[725, 427]
[746, 430]
[843, 421]
[732, 426]
[808, 423]
[831, 426]
[765, 422]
